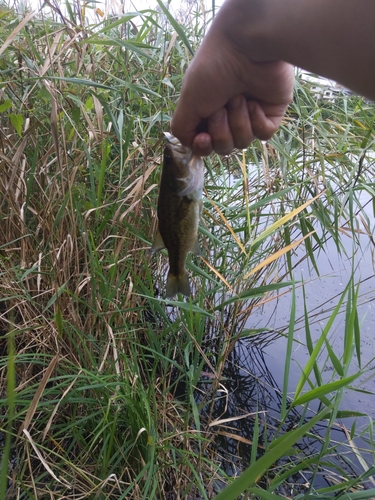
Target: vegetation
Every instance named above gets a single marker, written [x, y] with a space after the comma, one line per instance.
[109, 391]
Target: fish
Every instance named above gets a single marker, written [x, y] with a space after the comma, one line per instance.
[179, 212]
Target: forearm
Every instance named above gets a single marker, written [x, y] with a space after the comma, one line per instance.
[334, 38]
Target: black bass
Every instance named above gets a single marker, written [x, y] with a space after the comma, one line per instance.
[179, 211]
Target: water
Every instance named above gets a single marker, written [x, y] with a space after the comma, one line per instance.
[322, 295]
[265, 363]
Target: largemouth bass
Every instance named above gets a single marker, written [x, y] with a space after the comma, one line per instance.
[179, 211]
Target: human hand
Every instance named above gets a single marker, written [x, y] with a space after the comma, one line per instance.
[234, 98]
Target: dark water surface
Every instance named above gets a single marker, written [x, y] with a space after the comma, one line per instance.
[322, 295]
[260, 368]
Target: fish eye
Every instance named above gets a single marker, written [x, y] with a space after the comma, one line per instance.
[167, 157]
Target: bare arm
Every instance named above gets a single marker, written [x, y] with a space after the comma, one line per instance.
[240, 82]
[333, 38]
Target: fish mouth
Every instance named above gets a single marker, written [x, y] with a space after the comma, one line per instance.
[181, 152]
[193, 178]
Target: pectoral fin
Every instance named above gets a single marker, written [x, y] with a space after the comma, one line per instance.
[196, 248]
[158, 243]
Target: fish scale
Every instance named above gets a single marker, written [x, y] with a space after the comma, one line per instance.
[179, 212]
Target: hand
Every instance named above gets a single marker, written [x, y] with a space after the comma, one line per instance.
[234, 98]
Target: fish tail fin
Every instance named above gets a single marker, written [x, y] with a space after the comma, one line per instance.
[177, 284]
[158, 243]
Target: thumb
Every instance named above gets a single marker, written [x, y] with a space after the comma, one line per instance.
[185, 123]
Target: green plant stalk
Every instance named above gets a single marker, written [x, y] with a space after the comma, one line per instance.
[255, 440]
[288, 356]
[106, 148]
[11, 386]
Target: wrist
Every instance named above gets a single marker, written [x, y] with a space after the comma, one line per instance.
[249, 25]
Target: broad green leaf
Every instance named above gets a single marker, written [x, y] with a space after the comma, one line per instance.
[136, 47]
[5, 105]
[324, 389]
[349, 414]
[90, 83]
[121, 20]
[256, 292]
[17, 122]
[335, 360]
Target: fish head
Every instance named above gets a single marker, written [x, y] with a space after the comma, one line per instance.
[184, 166]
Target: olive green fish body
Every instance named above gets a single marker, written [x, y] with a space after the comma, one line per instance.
[179, 212]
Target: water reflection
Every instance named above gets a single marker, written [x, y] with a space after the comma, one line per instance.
[249, 390]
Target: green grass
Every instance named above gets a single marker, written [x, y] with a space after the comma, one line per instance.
[107, 389]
